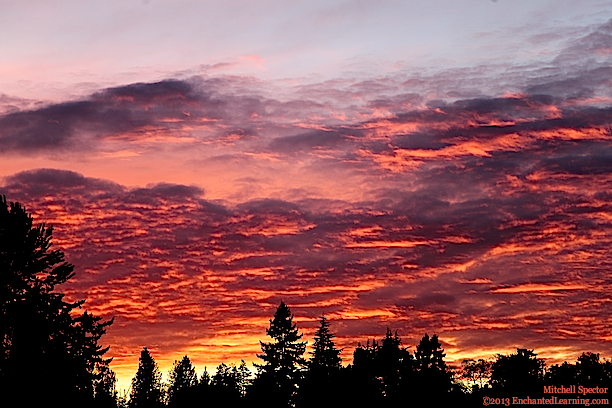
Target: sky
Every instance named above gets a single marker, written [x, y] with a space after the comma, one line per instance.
[439, 167]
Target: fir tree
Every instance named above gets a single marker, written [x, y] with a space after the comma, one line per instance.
[322, 383]
[146, 385]
[283, 359]
[105, 387]
[242, 377]
[390, 358]
[203, 388]
[183, 380]
[224, 384]
[430, 355]
[325, 356]
[38, 328]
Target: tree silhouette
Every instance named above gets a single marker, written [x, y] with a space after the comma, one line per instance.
[521, 373]
[564, 374]
[38, 328]
[476, 372]
[203, 388]
[390, 360]
[364, 373]
[433, 377]
[183, 380]
[325, 356]
[429, 355]
[322, 385]
[146, 385]
[105, 387]
[279, 376]
[591, 372]
[242, 377]
[229, 384]
[384, 370]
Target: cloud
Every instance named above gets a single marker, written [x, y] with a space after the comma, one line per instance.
[164, 254]
[479, 216]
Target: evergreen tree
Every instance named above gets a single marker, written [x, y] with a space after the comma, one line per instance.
[433, 379]
[322, 383]
[105, 387]
[383, 370]
[203, 387]
[146, 385]
[366, 387]
[325, 356]
[183, 380]
[205, 378]
[430, 355]
[365, 360]
[38, 328]
[278, 378]
[224, 383]
[389, 363]
[242, 377]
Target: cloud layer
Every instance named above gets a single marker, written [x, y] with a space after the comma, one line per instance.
[465, 202]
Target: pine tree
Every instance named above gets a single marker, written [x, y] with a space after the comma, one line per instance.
[382, 370]
[228, 386]
[322, 383]
[283, 359]
[433, 377]
[224, 384]
[183, 380]
[38, 328]
[242, 377]
[205, 378]
[367, 386]
[325, 356]
[430, 355]
[203, 389]
[390, 358]
[105, 387]
[146, 385]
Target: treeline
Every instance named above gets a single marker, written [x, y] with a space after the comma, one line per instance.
[382, 372]
[50, 355]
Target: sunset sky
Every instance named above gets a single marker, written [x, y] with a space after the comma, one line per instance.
[428, 166]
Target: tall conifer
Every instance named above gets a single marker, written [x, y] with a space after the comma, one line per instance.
[183, 380]
[146, 385]
[325, 356]
[282, 358]
[38, 327]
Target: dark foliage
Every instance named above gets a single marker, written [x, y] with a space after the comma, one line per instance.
[183, 383]
[105, 391]
[591, 372]
[521, 373]
[322, 383]
[277, 379]
[388, 372]
[229, 384]
[39, 329]
[588, 371]
[381, 371]
[476, 372]
[147, 389]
